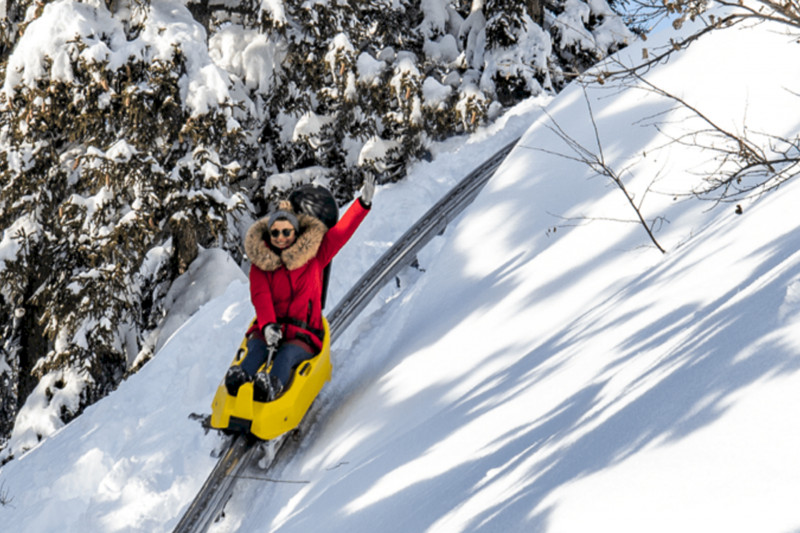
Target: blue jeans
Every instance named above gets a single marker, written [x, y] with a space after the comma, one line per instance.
[287, 357]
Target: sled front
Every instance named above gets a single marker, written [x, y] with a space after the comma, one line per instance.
[266, 421]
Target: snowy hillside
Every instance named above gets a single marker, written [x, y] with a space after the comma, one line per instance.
[550, 370]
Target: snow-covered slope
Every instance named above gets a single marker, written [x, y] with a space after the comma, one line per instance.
[549, 371]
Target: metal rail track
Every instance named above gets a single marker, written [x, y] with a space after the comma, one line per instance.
[405, 250]
[210, 501]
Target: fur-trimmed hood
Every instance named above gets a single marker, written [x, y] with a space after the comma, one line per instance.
[304, 248]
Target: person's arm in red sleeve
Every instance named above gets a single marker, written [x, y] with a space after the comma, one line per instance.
[261, 296]
[338, 235]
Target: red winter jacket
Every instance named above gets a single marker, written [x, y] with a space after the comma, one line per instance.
[289, 285]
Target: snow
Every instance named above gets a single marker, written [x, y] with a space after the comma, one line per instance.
[434, 94]
[310, 127]
[405, 74]
[571, 23]
[248, 55]
[436, 16]
[532, 51]
[375, 151]
[339, 47]
[369, 69]
[286, 181]
[207, 278]
[46, 36]
[549, 370]
[9, 243]
[445, 50]
[169, 26]
[276, 10]
[38, 416]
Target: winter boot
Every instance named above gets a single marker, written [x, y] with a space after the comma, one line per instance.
[266, 387]
[235, 378]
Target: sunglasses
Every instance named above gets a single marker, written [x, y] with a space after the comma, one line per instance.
[286, 232]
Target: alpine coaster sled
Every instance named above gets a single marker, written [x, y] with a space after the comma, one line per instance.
[268, 420]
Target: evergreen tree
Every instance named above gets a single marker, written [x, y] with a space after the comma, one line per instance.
[584, 32]
[134, 135]
[365, 86]
[519, 51]
[112, 177]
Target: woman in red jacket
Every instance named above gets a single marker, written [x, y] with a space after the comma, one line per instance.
[288, 253]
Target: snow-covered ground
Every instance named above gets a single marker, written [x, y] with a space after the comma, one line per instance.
[549, 370]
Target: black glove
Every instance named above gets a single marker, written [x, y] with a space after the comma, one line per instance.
[272, 334]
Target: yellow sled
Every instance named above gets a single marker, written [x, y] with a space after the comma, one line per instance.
[266, 421]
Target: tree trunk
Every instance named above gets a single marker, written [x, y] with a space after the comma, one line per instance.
[33, 346]
[536, 11]
[184, 242]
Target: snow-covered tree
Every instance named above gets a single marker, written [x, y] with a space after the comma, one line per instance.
[584, 32]
[134, 132]
[360, 74]
[518, 58]
[121, 157]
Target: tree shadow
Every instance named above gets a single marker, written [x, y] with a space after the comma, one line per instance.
[695, 370]
[687, 388]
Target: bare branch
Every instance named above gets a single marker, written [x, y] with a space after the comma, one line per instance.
[597, 162]
[675, 46]
[748, 164]
[5, 500]
[786, 12]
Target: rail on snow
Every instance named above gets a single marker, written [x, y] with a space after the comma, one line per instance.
[209, 503]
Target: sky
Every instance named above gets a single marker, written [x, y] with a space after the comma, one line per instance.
[545, 368]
